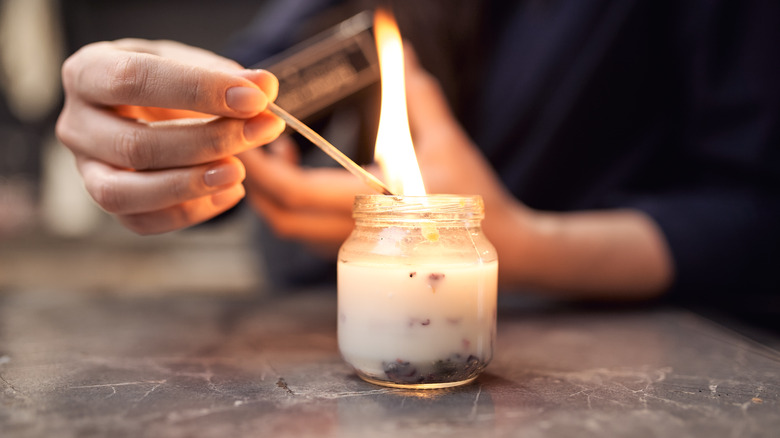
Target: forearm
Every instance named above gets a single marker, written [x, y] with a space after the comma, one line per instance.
[616, 254]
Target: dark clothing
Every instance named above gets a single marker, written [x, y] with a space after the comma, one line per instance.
[670, 107]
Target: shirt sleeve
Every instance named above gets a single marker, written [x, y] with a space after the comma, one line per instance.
[722, 223]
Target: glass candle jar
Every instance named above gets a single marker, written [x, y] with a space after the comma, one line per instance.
[417, 282]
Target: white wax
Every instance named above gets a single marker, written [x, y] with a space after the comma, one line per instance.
[415, 313]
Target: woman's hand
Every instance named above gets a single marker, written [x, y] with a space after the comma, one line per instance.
[155, 125]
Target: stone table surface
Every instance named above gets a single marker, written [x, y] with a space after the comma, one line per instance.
[82, 365]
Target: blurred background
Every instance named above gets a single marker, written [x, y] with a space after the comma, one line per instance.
[49, 228]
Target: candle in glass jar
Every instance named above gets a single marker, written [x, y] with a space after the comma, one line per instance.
[417, 285]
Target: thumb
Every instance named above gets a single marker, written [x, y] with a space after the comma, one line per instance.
[429, 111]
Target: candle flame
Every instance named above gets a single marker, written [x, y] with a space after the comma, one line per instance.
[394, 150]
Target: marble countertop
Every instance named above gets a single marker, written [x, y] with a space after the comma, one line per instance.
[75, 364]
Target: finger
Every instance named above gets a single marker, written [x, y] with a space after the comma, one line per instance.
[292, 187]
[264, 79]
[102, 74]
[185, 214]
[101, 134]
[124, 192]
[429, 111]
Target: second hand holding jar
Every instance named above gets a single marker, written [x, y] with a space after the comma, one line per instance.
[417, 289]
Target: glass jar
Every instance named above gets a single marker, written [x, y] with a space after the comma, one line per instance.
[417, 282]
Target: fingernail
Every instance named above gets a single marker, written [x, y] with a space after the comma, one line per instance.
[222, 174]
[246, 99]
[262, 129]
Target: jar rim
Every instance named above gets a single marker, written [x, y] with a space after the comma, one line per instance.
[424, 207]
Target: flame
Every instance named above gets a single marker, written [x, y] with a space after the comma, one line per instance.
[394, 151]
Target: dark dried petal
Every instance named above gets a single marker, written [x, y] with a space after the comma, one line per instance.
[414, 321]
[435, 276]
[400, 371]
[452, 369]
[434, 279]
